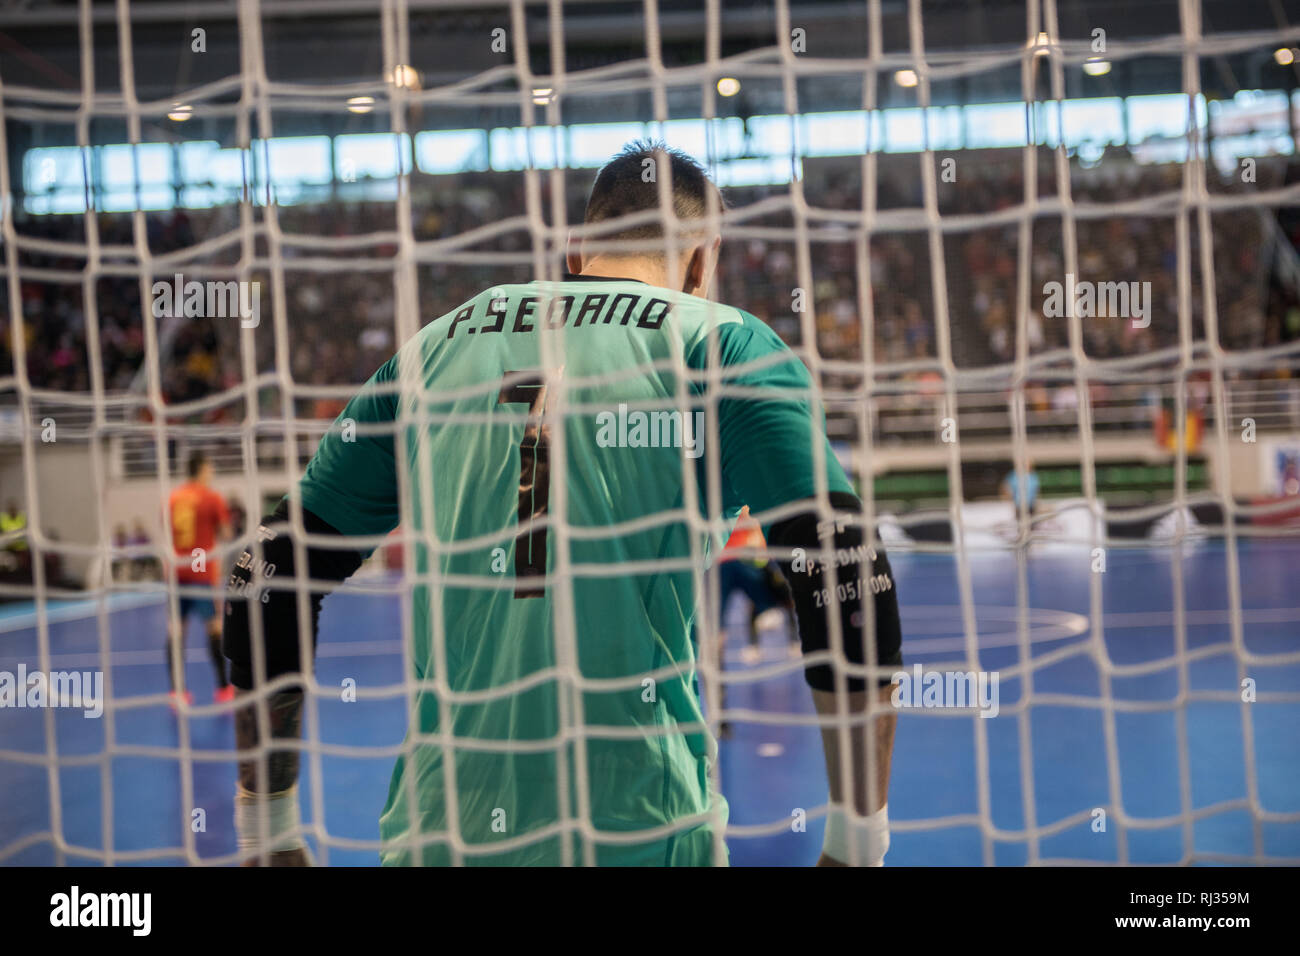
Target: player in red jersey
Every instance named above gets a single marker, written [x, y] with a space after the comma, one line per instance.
[756, 578]
[198, 515]
[759, 580]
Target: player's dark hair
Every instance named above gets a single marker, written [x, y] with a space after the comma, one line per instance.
[629, 183]
[196, 463]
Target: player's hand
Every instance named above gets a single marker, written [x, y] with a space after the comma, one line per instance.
[825, 860]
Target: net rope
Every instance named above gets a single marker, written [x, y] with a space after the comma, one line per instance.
[259, 97]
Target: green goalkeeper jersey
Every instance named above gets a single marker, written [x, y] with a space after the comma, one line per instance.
[553, 449]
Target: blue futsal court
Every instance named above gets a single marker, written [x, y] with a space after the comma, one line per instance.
[1032, 797]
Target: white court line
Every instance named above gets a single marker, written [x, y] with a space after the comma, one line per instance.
[200, 654]
[1045, 625]
[62, 612]
[937, 622]
[83, 610]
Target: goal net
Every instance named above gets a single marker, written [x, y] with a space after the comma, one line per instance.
[1043, 271]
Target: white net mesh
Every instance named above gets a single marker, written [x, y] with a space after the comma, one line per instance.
[915, 291]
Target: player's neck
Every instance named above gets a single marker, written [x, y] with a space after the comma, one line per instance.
[649, 271]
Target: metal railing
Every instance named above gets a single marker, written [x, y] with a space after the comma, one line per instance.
[895, 419]
[908, 418]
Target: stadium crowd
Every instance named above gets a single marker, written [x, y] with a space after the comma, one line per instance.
[340, 300]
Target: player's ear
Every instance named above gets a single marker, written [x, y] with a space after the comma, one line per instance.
[697, 269]
[700, 266]
[573, 255]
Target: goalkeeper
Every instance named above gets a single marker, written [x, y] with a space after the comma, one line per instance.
[535, 736]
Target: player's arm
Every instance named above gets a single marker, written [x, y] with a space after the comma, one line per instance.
[868, 825]
[837, 577]
[838, 581]
[289, 568]
[262, 638]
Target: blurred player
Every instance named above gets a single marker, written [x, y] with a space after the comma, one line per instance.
[756, 578]
[761, 583]
[1016, 485]
[15, 559]
[198, 518]
[477, 391]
